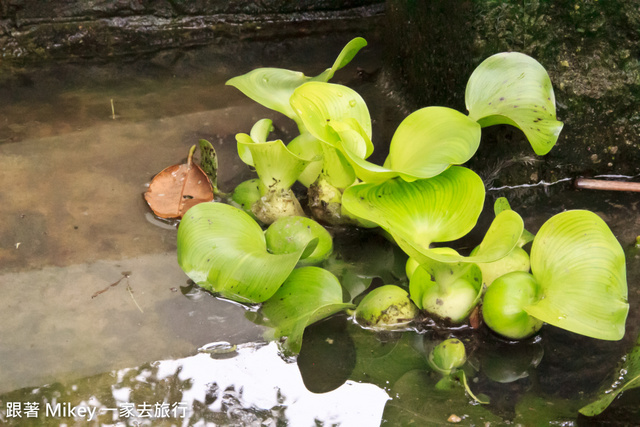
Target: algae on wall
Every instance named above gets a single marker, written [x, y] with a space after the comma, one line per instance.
[591, 50]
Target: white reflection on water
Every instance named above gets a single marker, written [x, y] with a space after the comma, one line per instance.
[261, 380]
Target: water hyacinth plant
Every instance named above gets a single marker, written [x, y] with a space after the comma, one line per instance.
[573, 278]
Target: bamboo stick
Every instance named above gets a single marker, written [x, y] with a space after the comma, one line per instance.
[600, 184]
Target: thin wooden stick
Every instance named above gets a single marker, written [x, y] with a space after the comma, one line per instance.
[600, 184]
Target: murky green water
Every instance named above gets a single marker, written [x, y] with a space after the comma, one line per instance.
[99, 323]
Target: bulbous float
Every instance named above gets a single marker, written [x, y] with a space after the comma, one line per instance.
[386, 307]
[504, 303]
[290, 234]
[447, 356]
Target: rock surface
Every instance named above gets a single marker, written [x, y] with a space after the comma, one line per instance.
[33, 30]
[590, 49]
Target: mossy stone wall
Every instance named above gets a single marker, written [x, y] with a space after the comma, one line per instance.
[590, 48]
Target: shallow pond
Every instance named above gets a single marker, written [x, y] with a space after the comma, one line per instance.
[99, 323]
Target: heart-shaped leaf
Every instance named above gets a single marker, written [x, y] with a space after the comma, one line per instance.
[431, 139]
[513, 88]
[580, 267]
[223, 249]
[309, 294]
[426, 143]
[438, 209]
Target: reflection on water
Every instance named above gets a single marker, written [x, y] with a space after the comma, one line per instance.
[254, 388]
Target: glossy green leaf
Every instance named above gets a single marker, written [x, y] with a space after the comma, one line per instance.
[309, 294]
[259, 133]
[439, 209]
[502, 204]
[580, 267]
[307, 146]
[246, 194]
[272, 87]
[426, 143]
[336, 169]
[319, 104]
[345, 56]
[222, 249]
[516, 260]
[277, 166]
[431, 139]
[499, 241]
[513, 88]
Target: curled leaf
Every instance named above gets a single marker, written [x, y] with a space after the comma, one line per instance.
[177, 188]
[223, 249]
[513, 88]
[581, 269]
[308, 295]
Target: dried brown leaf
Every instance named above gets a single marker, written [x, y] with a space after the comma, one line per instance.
[177, 188]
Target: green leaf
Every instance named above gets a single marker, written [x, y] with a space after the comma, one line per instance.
[626, 378]
[447, 356]
[307, 146]
[345, 56]
[336, 169]
[309, 294]
[319, 104]
[513, 88]
[277, 166]
[222, 249]
[580, 267]
[438, 209]
[259, 133]
[272, 87]
[246, 194]
[502, 204]
[431, 139]
[426, 143]
[499, 241]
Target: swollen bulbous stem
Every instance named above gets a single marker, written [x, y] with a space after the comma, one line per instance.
[325, 202]
[504, 303]
[276, 203]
